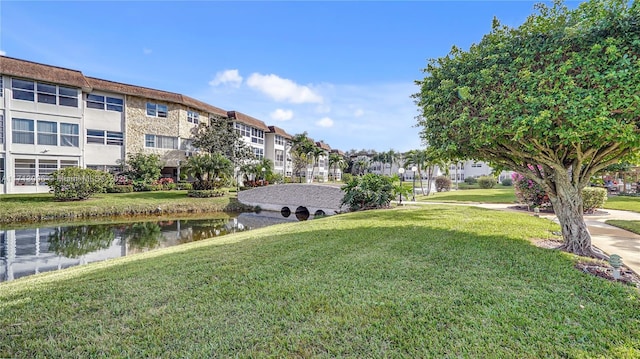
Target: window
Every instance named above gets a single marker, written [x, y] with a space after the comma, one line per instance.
[47, 133]
[105, 102]
[2, 179]
[279, 158]
[279, 140]
[155, 110]
[257, 136]
[115, 104]
[111, 138]
[68, 163]
[69, 135]
[114, 138]
[156, 141]
[1, 127]
[149, 141]
[25, 172]
[193, 117]
[23, 90]
[45, 168]
[95, 101]
[476, 165]
[243, 130]
[258, 152]
[1, 88]
[22, 131]
[46, 93]
[95, 136]
[67, 96]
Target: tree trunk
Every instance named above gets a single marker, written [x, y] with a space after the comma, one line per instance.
[568, 206]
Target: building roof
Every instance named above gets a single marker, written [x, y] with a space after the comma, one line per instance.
[335, 150]
[323, 145]
[280, 132]
[47, 73]
[247, 120]
[40, 72]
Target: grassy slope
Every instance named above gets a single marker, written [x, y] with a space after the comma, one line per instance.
[35, 207]
[430, 282]
[494, 195]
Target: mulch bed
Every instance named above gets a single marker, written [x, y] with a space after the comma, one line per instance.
[598, 268]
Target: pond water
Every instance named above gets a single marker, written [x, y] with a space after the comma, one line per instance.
[28, 251]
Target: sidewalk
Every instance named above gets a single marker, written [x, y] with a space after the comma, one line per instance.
[610, 239]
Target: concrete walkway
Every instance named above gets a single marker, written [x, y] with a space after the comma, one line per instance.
[610, 239]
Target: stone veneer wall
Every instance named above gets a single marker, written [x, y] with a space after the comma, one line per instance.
[138, 124]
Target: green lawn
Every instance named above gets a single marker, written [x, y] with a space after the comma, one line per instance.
[38, 207]
[624, 203]
[500, 194]
[631, 226]
[440, 281]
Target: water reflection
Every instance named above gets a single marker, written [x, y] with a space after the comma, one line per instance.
[30, 251]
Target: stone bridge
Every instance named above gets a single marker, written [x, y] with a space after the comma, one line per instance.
[301, 199]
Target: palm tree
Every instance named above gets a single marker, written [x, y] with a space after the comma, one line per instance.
[301, 147]
[315, 154]
[360, 165]
[336, 161]
[392, 157]
[416, 158]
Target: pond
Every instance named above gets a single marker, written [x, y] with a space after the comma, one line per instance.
[28, 251]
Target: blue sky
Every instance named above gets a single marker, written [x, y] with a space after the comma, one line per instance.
[342, 71]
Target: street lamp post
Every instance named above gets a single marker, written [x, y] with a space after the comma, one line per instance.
[401, 171]
[414, 169]
[263, 171]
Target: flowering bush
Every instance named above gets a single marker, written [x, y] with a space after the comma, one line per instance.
[529, 192]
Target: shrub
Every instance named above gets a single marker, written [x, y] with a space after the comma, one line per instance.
[121, 188]
[206, 185]
[144, 167]
[74, 184]
[470, 180]
[443, 183]
[368, 192]
[486, 182]
[347, 177]
[184, 186]
[205, 193]
[593, 198]
[507, 182]
[529, 192]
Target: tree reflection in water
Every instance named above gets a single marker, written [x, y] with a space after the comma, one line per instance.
[75, 241]
[143, 235]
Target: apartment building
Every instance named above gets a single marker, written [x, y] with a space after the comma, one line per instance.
[277, 146]
[52, 117]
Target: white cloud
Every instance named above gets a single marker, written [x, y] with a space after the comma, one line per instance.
[231, 77]
[281, 115]
[283, 89]
[325, 122]
[3, 53]
[359, 112]
[147, 51]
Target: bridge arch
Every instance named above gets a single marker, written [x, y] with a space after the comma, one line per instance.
[287, 198]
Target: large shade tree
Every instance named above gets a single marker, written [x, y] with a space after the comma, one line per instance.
[556, 99]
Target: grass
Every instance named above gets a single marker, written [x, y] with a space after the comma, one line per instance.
[500, 194]
[43, 207]
[624, 203]
[440, 281]
[631, 226]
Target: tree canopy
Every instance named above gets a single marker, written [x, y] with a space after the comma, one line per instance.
[220, 137]
[556, 99]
